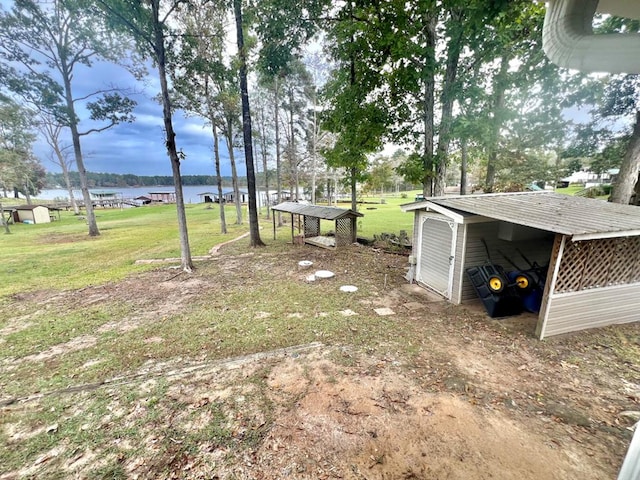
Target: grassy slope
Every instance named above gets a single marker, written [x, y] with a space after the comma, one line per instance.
[384, 217]
[61, 255]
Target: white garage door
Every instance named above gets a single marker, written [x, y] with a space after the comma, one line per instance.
[437, 247]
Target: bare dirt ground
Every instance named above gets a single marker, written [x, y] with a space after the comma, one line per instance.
[470, 398]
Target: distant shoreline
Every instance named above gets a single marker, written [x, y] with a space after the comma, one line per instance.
[118, 180]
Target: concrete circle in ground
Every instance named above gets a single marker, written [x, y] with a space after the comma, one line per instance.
[324, 274]
[348, 288]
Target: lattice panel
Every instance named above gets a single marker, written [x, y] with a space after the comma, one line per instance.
[599, 263]
[625, 266]
[598, 260]
[343, 231]
[311, 226]
[573, 261]
[636, 271]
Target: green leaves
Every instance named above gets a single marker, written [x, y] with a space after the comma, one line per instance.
[42, 45]
[621, 96]
[19, 169]
[112, 107]
[283, 27]
[412, 169]
[361, 45]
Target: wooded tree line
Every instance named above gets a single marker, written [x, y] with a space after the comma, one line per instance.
[313, 89]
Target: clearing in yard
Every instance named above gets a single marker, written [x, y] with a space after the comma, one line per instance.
[247, 370]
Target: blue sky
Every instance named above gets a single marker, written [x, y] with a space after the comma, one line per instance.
[138, 147]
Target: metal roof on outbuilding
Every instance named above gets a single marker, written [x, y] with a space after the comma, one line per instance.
[25, 207]
[325, 213]
[581, 218]
[229, 192]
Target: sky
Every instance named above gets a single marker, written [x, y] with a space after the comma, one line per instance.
[138, 147]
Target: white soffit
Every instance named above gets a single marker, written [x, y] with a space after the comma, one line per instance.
[620, 8]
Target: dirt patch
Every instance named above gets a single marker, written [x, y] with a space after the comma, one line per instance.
[57, 238]
[350, 423]
[321, 420]
[157, 296]
[77, 343]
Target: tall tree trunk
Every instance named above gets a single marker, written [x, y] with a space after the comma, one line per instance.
[170, 142]
[352, 79]
[67, 182]
[354, 199]
[292, 149]
[27, 191]
[314, 152]
[499, 87]
[448, 95]
[265, 166]
[254, 227]
[463, 166]
[77, 151]
[234, 171]
[51, 131]
[428, 79]
[624, 187]
[276, 113]
[297, 181]
[216, 155]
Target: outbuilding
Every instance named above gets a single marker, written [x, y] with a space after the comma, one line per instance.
[162, 197]
[230, 197]
[31, 214]
[309, 216]
[143, 200]
[208, 197]
[591, 248]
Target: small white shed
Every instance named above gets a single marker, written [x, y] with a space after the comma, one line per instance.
[592, 248]
[31, 214]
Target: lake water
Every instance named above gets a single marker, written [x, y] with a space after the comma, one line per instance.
[190, 192]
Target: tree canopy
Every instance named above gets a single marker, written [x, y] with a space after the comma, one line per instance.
[42, 47]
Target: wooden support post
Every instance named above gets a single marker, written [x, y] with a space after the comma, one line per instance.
[274, 227]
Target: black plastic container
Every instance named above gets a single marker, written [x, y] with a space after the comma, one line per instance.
[499, 300]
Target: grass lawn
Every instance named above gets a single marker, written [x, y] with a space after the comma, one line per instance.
[572, 189]
[384, 217]
[61, 255]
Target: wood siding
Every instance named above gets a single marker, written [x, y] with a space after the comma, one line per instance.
[570, 312]
[538, 250]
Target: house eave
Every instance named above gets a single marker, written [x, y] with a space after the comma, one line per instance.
[601, 235]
